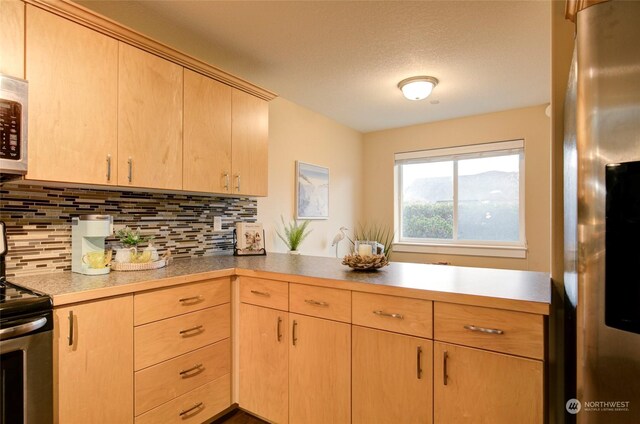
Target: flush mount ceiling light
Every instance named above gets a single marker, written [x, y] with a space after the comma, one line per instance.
[417, 88]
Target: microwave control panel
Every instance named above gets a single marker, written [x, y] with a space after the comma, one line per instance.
[10, 131]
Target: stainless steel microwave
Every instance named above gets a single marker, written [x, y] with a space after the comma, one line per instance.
[13, 127]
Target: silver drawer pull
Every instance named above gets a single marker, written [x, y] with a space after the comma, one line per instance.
[192, 299]
[186, 411]
[185, 373]
[259, 293]
[316, 303]
[385, 314]
[189, 330]
[483, 330]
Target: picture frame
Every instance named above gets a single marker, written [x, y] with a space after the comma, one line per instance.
[312, 191]
[248, 239]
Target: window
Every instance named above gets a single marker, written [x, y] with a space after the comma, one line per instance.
[462, 200]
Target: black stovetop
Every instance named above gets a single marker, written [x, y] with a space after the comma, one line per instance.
[16, 301]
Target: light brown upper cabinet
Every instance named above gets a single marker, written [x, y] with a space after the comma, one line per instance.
[249, 148]
[207, 134]
[149, 120]
[73, 85]
[12, 38]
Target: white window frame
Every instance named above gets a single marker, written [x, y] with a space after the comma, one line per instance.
[516, 249]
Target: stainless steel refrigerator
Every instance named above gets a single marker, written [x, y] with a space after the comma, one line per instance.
[602, 216]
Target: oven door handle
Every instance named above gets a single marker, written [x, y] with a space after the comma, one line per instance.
[21, 329]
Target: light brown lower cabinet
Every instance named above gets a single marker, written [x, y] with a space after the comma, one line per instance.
[93, 359]
[319, 371]
[264, 367]
[477, 386]
[392, 378]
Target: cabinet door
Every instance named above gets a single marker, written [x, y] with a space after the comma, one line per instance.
[93, 382]
[319, 371]
[12, 38]
[249, 147]
[391, 377]
[476, 386]
[149, 120]
[73, 85]
[207, 134]
[264, 368]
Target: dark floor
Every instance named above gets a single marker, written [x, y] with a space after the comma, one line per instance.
[238, 417]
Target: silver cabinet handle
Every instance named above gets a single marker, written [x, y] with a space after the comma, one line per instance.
[70, 328]
[189, 330]
[130, 176]
[294, 335]
[261, 293]
[238, 186]
[185, 373]
[419, 362]
[445, 356]
[385, 314]
[279, 329]
[108, 167]
[186, 411]
[316, 302]
[483, 330]
[190, 300]
[226, 181]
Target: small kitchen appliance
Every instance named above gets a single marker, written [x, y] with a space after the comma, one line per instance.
[88, 234]
[26, 346]
[13, 127]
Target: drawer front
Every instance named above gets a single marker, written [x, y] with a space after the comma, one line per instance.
[517, 333]
[196, 406]
[321, 302]
[391, 313]
[161, 383]
[268, 293]
[165, 303]
[166, 339]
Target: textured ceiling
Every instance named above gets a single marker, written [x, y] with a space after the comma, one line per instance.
[344, 59]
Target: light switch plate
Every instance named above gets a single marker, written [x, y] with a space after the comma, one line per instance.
[217, 223]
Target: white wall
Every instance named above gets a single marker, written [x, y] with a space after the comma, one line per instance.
[296, 133]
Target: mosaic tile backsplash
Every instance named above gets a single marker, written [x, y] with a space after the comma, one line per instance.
[38, 222]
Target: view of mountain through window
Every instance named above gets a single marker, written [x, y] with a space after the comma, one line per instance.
[461, 198]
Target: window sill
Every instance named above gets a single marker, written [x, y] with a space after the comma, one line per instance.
[463, 249]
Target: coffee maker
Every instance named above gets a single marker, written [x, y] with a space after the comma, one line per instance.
[88, 234]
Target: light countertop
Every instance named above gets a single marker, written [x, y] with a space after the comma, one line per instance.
[507, 289]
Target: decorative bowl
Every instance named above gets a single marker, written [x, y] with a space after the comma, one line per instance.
[365, 263]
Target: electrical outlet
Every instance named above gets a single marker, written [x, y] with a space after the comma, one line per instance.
[217, 223]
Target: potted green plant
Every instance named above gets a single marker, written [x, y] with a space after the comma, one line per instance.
[130, 240]
[293, 234]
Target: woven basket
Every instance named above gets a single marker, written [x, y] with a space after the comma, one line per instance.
[130, 266]
[365, 263]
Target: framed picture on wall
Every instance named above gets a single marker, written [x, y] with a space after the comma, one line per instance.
[312, 191]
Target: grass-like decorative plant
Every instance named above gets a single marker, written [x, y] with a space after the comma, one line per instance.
[293, 233]
[375, 232]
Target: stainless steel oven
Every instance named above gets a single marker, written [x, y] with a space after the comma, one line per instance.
[26, 348]
[13, 127]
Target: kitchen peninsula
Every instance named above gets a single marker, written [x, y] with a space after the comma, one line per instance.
[299, 339]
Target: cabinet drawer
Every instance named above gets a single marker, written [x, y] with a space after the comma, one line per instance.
[261, 292]
[161, 383]
[196, 406]
[162, 340]
[320, 302]
[164, 303]
[517, 333]
[391, 313]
